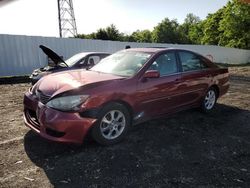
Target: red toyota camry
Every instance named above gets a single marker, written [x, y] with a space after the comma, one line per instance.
[126, 88]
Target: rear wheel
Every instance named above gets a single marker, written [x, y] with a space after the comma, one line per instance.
[209, 100]
[112, 124]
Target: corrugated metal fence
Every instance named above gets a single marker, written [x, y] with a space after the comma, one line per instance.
[19, 55]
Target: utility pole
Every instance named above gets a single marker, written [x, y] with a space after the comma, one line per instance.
[66, 17]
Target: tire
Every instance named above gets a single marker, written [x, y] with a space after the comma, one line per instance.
[112, 124]
[209, 101]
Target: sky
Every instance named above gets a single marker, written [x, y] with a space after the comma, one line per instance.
[40, 17]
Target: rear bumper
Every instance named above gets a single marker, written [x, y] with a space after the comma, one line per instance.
[55, 125]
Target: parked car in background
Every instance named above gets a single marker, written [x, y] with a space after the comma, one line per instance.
[84, 60]
[126, 88]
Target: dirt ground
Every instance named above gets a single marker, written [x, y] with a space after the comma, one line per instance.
[240, 71]
[188, 149]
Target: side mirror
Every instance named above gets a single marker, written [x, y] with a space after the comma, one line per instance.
[151, 74]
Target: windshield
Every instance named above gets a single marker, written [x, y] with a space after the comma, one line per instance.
[124, 63]
[74, 59]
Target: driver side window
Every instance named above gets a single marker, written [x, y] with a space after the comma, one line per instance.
[165, 64]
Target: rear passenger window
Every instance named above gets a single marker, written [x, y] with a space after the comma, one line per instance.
[191, 61]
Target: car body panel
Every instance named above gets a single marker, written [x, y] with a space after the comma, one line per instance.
[68, 80]
[158, 96]
[194, 85]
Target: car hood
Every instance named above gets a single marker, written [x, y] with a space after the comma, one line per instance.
[57, 83]
[52, 55]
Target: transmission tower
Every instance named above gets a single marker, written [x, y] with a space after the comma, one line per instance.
[66, 16]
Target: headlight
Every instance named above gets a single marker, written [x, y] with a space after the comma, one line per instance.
[68, 103]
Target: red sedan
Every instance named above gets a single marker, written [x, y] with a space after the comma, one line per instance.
[126, 88]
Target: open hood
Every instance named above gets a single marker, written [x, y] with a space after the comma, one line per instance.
[52, 55]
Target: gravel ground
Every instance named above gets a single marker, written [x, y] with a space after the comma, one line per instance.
[188, 149]
[243, 71]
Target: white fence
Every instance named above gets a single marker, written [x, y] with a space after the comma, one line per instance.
[19, 55]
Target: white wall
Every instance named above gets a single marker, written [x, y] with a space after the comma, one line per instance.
[20, 55]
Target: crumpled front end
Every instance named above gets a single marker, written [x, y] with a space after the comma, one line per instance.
[55, 125]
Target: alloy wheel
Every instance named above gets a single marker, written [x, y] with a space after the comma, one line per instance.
[210, 99]
[112, 124]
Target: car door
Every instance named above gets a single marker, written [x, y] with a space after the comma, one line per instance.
[160, 95]
[195, 77]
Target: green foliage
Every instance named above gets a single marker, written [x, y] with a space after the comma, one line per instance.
[166, 32]
[196, 33]
[211, 28]
[229, 26]
[109, 33]
[191, 24]
[113, 33]
[235, 25]
[88, 36]
[101, 34]
[141, 36]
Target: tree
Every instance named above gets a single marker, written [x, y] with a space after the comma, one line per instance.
[191, 22]
[108, 33]
[235, 25]
[127, 38]
[142, 36]
[166, 32]
[101, 34]
[87, 36]
[229, 26]
[196, 33]
[211, 30]
[113, 33]
[192, 19]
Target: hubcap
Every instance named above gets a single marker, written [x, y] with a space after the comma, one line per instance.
[112, 124]
[210, 99]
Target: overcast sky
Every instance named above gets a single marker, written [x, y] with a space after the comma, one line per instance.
[40, 17]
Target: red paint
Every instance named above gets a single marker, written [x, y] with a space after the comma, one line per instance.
[146, 98]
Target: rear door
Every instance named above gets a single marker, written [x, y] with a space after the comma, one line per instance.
[195, 77]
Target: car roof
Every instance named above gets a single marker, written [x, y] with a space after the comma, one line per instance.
[158, 49]
[89, 53]
[148, 50]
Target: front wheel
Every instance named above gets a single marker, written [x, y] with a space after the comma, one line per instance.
[112, 124]
[209, 100]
